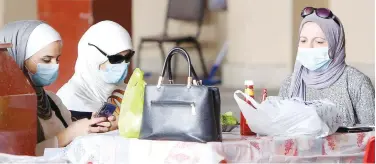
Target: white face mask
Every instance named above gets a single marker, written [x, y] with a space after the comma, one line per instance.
[313, 58]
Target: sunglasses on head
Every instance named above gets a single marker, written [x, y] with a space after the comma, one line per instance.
[320, 12]
[117, 58]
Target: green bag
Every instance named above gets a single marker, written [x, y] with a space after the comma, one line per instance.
[132, 106]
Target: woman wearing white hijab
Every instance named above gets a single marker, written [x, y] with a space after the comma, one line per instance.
[36, 50]
[104, 53]
[321, 71]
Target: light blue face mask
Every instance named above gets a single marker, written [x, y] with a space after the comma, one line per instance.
[314, 59]
[114, 73]
[46, 74]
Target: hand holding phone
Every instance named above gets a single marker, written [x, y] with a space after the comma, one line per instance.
[106, 110]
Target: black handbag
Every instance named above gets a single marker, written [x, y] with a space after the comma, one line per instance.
[180, 112]
[215, 93]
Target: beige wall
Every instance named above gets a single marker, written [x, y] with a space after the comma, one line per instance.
[13, 10]
[359, 22]
[263, 44]
[260, 42]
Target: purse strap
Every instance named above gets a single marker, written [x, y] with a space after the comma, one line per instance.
[176, 50]
[56, 109]
[196, 79]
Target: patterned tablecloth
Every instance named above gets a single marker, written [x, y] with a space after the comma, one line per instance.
[111, 148]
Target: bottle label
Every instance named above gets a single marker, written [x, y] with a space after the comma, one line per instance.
[249, 91]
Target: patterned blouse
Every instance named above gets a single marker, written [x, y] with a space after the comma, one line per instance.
[353, 93]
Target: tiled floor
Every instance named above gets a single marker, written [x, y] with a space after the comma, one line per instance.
[228, 102]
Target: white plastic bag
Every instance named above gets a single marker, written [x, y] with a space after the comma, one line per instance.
[277, 116]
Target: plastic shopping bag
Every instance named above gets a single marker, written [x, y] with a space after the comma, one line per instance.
[277, 116]
[132, 106]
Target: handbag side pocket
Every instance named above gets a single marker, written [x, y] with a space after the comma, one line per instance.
[173, 120]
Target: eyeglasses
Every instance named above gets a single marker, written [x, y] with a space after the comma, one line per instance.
[320, 12]
[117, 58]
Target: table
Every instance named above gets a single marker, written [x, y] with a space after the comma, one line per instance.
[111, 148]
[337, 148]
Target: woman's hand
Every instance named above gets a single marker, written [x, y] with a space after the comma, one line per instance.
[112, 123]
[80, 128]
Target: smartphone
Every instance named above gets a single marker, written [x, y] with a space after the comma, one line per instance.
[106, 110]
[356, 129]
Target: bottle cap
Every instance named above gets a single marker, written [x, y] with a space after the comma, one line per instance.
[248, 82]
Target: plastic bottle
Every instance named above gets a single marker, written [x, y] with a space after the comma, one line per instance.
[244, 128]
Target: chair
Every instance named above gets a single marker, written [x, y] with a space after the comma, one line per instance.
[182, 10]
[369, 154]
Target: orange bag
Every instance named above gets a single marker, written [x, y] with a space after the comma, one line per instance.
[116, 98]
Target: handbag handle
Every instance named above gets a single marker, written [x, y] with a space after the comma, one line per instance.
[196, 79]
[176, 50]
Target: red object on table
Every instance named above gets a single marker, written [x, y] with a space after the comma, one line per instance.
[264, 95]
[244, 128]
[369, 154]
[18, 108]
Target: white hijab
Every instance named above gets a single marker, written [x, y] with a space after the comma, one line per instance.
[86, 90]
[41, 36]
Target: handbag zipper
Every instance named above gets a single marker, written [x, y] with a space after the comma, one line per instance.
[192, 104]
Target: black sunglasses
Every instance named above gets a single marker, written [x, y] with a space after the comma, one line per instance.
[320, 12]
[117, 58]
